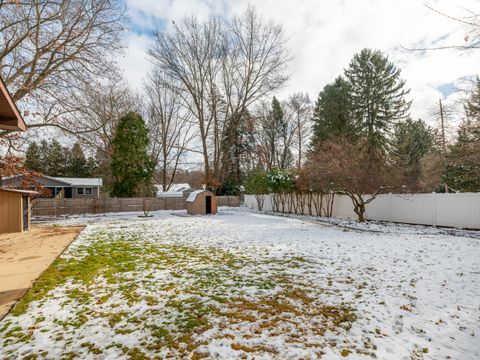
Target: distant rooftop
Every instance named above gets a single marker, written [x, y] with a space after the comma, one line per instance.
[69, 180]
[28, 192]
[175, 188]
[193, 195]
[78, 181]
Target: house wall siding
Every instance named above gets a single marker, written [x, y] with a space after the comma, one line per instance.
[51, 183]
[11, 214]
[94, 195]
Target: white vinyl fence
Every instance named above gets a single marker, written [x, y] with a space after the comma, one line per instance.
[461, 210]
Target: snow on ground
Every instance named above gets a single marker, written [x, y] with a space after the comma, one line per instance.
[251, 285]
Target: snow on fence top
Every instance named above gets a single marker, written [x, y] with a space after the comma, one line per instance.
[169, 194]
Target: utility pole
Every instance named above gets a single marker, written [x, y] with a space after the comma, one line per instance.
[444, 143]
[444, 146]
[299, 142]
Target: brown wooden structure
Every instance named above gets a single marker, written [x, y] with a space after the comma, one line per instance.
[15, 210]
[201, 202]
[14, 204]
[10, 118]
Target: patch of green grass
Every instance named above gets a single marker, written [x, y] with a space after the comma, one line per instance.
[107, 258]
[5, 326]
[92, 348]
[17, 331]
[115, 318]
[39, 319]
[134, 353]
[161, 333]
[193, 314]
[70, 356]
[183, 287]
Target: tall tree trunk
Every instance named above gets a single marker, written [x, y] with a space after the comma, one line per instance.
[358, 206]
[360, 211]
[299, 142]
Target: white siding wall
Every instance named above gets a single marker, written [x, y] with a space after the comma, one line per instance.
[455, 210]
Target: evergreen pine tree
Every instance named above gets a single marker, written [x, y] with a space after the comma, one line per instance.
[240, 141]
[274, 129]
[378, 96]
[277, 116]
[332, 115]
[56, 159]
[277, 126]
[282, 155]
[76, 162]
[131, 166]
[92, 167]
[44, 149]
[411, 141]
[462, 163]
[472, 106]
[33, 158]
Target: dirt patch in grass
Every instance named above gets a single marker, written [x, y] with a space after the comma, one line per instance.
[289, 310]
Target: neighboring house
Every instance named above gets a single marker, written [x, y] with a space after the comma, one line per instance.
[175, 191]
[180, 187]
[63, 186]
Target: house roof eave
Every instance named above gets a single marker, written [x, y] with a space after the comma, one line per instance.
[10, 117]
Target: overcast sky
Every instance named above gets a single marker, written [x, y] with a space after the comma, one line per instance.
[323, 35]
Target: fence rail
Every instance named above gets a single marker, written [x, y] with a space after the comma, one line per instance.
[461, 210]
[59, 207]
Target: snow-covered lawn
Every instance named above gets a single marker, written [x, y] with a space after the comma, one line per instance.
[247, 285]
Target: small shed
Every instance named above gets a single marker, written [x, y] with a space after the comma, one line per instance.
[14, 210]
[201, 202]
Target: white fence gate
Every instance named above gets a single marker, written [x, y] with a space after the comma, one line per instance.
[461, 210]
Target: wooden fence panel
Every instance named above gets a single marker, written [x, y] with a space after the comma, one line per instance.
[60, 207]
[228, 201]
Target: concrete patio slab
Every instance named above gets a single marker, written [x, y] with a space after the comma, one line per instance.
[24, 256]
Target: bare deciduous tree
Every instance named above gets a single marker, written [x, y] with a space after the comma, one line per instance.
[265, 135]
[191, 57]
[48, 48]
[287, 140]
[253, 68]
[170, 127]
[278, 134]
[221, 68]
[471, 21]
[352, 169]
[301, 109]
[99, 106]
